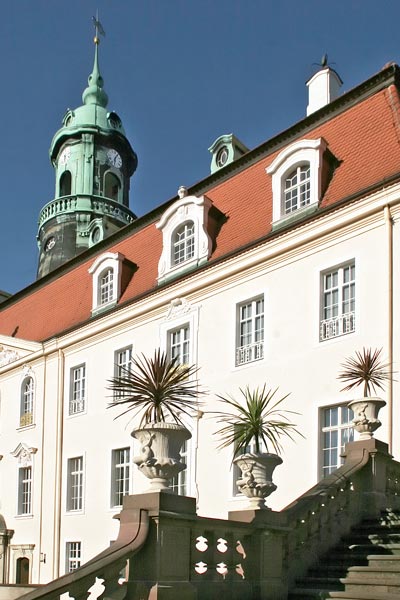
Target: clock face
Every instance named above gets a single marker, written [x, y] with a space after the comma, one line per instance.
[113, 158]
[65, 156]
[51, 242]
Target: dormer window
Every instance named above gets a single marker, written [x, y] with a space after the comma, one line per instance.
[296, 180]
[297, 189]
[186, 241]
[107, 275]
[183, 244]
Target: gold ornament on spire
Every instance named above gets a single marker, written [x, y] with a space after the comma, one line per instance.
[98, 29]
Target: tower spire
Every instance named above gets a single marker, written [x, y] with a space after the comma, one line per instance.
[94, 93]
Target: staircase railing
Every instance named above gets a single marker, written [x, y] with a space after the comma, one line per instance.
[173, 553]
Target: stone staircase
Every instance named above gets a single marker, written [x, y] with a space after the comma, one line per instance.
[365, 565]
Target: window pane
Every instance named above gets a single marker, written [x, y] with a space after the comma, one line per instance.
[250, 331]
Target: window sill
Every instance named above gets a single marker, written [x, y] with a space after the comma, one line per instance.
[103, 308]
[295, 216]
[26, 427]
[27, 516]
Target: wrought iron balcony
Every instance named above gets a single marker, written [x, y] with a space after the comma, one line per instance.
[336, 326]
[249, 353]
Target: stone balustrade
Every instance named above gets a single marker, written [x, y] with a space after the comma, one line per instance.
[174, 554]
[85, 203]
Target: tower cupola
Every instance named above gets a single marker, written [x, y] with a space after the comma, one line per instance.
[93, 163]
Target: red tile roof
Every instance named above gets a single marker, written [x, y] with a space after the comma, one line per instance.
[364, 137]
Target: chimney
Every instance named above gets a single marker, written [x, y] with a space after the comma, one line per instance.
[323, 87]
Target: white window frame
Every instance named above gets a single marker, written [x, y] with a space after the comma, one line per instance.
[187, 209]
[120, 475]
[77, 390]
[73, 556]
[75, 484]
[299, 153]
[122, 358]
[342, 428]
[179, 344]
[103, 263]
[296, 194]
[25, 488]
[180, 483]
[27, 401]
[344, 321]
[254, 350]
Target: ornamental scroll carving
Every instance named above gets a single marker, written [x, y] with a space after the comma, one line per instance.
[177, 308]
[7, 356]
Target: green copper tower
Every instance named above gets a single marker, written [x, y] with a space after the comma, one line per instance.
[93, 163]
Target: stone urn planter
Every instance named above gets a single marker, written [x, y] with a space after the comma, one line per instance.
[160, 447]
[366, 412]
[366, 369]
[256, 479]
[161, 391]
[258, 421]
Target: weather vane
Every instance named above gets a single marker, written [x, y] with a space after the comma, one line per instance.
[98, 28]
[324, 62]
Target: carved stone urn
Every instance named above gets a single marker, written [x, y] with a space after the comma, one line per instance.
[256, 480]
[366, 416]
[160, 458]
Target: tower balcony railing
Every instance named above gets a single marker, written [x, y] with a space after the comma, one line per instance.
[86, 203]
[336, 326]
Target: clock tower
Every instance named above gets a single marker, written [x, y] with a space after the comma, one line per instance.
[93, 163]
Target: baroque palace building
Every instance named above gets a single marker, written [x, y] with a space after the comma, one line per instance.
[274, 268]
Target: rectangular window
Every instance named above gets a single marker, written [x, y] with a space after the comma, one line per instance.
[336, 431]
[77, 390]
[250, 331]
[120, 475]
[72, 556]
[179, 344]
[75, 484]
[121, 363]
[25, 491]
[178, 483]
[338, 301]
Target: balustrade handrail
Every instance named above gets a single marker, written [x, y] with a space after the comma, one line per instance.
[134, 528]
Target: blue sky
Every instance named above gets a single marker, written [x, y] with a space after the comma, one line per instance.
[179, 73]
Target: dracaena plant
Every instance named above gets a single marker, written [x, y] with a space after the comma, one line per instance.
[157, 388]
[366, 369]
[258, 418]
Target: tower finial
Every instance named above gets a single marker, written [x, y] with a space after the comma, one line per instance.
[94, 93]
[98, 28]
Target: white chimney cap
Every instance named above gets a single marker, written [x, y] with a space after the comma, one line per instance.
[323, 88]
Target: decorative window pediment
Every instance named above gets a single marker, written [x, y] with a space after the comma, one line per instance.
[296, 180]
[24, 454]
[186, 242]
[107, 276]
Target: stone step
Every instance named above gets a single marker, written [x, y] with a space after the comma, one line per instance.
[361, 596]
[375, 560]
[371, 585]
[390, 573]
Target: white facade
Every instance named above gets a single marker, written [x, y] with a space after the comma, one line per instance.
[262, 312]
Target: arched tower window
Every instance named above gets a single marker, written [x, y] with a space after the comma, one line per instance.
[106, 286]
[65, 183]
[22, 574]
[183, 243]
[27, 401]
[297, 189]
[112, 186]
